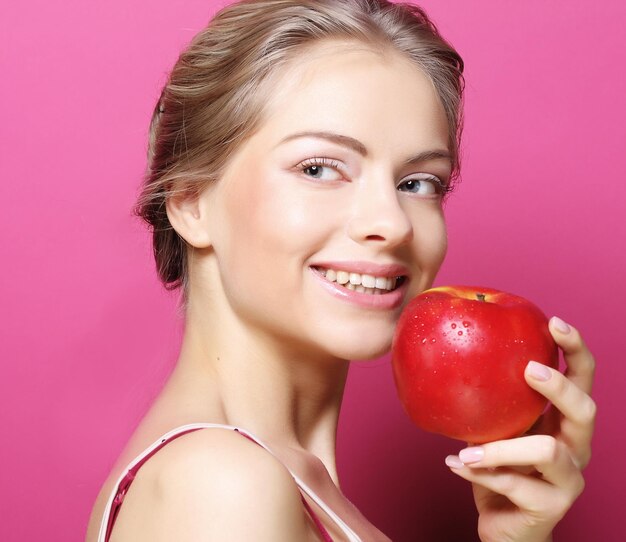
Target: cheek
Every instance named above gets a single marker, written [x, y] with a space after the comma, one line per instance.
[292, 220]
[272, 229]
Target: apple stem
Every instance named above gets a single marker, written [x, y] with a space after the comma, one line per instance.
[480, 297]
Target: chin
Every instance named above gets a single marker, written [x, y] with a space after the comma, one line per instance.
[356, 339]
[361, 350]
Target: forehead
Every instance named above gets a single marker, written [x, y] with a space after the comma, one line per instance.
[349, 86]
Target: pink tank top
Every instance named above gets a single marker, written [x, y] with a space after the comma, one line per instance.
[119, 491]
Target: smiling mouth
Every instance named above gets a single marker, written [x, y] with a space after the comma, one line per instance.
[367, 284]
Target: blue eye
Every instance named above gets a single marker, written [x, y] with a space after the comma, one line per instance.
[323, 169]
[424, 186]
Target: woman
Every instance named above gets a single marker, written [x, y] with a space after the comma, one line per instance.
[299, 157]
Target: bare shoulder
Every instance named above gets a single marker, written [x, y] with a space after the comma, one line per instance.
[212, 484]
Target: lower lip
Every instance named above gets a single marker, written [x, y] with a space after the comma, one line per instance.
[391, 300]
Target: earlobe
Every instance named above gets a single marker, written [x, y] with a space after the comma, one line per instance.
[188, 217]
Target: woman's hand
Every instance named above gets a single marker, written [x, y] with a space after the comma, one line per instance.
[524, 486]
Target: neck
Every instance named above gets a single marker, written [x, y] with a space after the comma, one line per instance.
[279, 391]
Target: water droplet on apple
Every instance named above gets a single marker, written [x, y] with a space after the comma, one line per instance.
[453, 326]
[460, 332]
[433, 340]
[466, 324]
[424, 341]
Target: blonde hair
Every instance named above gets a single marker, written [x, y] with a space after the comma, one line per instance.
[212, 101]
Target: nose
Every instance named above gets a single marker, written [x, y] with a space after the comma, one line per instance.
[378, 217]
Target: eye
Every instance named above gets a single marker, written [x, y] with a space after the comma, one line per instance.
[323, 169]
[424, 186]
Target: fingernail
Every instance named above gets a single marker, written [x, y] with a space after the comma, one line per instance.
[471, 455]
[454, 462]
[560, 325]
[539, 371]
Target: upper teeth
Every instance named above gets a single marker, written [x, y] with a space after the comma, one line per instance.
[367, 281]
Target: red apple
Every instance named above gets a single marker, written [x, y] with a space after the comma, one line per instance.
[458, 359]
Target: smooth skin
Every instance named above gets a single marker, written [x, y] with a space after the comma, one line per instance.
[266, 348]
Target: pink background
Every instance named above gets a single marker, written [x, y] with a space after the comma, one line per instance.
[88, 335]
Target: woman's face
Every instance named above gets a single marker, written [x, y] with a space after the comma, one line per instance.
[345, 174]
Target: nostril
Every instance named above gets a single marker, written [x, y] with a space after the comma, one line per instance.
[380, 227]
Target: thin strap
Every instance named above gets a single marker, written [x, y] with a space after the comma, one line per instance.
[320, 526]
[318, 523]
[351, 535]
[121, 487]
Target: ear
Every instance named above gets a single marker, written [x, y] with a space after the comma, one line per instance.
[188, 216]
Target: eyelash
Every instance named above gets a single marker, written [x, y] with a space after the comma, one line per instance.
[441, 188]
[325, 162]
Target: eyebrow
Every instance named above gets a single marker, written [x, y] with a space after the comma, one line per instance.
[356, 145]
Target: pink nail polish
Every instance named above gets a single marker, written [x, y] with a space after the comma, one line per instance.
[560, 325]
[539, 371]
[472, 455]
[454, 462]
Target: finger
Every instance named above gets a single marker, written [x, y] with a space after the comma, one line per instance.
[513, 485]
[568, 398]
[580, 362]
[528, 493]
[547, 455]
[577, 408]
